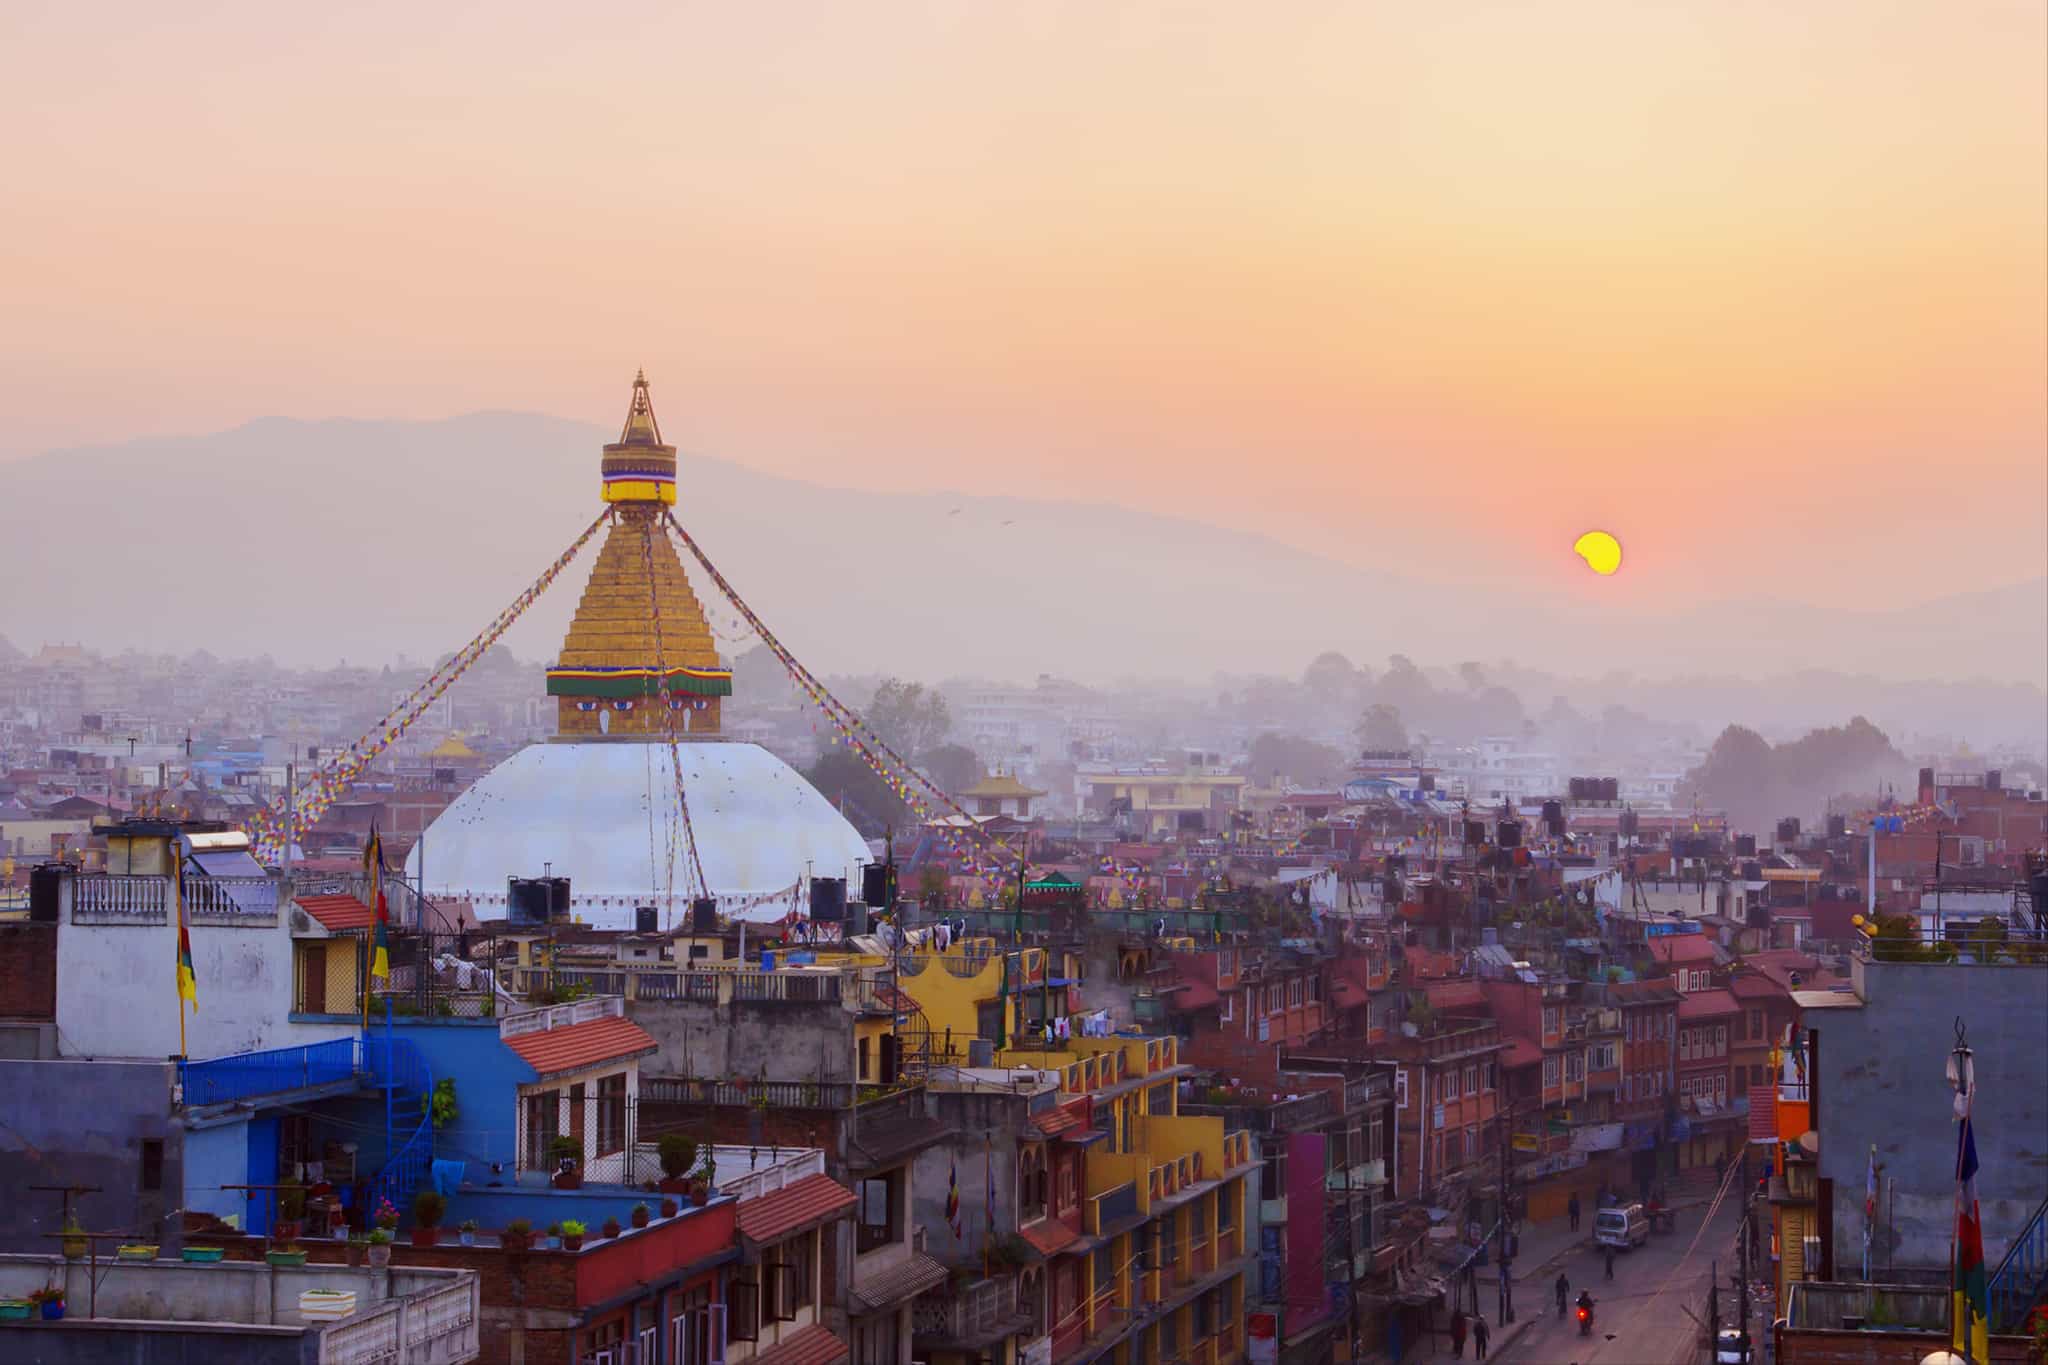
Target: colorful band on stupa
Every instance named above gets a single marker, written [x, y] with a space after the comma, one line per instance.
[638, 682]
[639, 467]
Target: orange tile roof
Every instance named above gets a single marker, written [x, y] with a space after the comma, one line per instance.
[813, 1199]
[337, 913]
[812, 1346]
[1049, 1238]
[558, 1051]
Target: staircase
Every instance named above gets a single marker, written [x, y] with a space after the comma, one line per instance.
[400, 1074]
[2022, 1277]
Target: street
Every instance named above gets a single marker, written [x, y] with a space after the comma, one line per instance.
[1633, 1322]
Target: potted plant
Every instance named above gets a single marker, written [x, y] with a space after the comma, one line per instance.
[572, 1235]
[291, 1210]
[293, 1254]
[706, 1178]
[640, 1215]
[202, 1255]
[553, 1241]
[668, 1207]
[386, 1216]
[517, 1236]
[678, 1155]
[353, 1252]
[49, 1301]
[136, 1251]
[75, 1242]
[427, 1208]
[567, 1154]
[611, 1227]
[467, 1232]
[380, 1248]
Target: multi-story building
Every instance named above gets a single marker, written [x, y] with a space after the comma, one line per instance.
[1647, 1094]
[1446, 1097]
[1709, 1130]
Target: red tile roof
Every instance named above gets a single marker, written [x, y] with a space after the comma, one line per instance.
[337, 913]
[811, 1346]
[1658, 992]
[1049, 1238]
[1756, 986]
[557, 1051]
[1707, 1005]
[1056, 1122]
[1687, 948]
[814, 1199]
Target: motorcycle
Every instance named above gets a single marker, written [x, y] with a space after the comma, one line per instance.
[1585, 1319]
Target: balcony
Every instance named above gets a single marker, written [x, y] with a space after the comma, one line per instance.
[404, 1316]
[244, 1075]
[692, 1090]
[971, 1317]
[1111, 1207]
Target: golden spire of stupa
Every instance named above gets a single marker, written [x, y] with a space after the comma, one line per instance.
[606, 677]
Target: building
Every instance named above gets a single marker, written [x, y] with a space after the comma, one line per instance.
[638, 667]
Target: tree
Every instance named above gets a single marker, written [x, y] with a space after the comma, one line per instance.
[955, 767]
[844, 778]
[908, 719]
[1380, 728]
[1330, 677]
[1302, 761]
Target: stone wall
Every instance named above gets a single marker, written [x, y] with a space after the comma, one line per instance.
[748, 1039]
[84, 1123]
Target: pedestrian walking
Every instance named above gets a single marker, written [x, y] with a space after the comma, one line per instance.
[1479, 1337]
[1610, 1263]
[1458, 1335]
[1573, 1209]
[1564, 1290]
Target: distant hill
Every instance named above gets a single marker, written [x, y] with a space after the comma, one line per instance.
[313, 541]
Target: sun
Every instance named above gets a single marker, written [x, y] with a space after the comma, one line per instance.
[1601, 552]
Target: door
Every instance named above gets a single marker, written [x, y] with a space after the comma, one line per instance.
[263, 1138]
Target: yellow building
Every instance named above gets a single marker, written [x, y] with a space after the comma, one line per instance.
[1168, 803]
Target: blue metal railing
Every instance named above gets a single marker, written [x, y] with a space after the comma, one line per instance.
[2021, 1274]
[246, 1074]
[397, 1067]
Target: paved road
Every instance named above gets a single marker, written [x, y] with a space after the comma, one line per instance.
[1632, 1323]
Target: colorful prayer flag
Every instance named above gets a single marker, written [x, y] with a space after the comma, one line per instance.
[953, 1197]
[373, 866]
[1971, 1289]
[188, 981]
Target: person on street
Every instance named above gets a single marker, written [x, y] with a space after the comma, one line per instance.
[1610, 1263]
[1573, 1210]
[1458, 1335]
[1564, 1289]
[1479, 1337]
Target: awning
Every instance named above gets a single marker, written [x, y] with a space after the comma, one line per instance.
[812, 1346]
[1083, 1137]
[905, 1280]
[801, 1204]
[1048, 1238]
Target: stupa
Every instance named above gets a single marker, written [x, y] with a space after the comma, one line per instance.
[597, 803]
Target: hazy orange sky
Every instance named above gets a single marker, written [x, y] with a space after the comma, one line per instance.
[1757, 286]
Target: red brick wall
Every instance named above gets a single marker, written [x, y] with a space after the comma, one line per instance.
[28, 971]
[1881, 1348]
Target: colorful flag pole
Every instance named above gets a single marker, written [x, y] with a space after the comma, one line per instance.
[1970, 1331]
[953, 1196]
[188, 982]
[380, 953]
[1869, 1207]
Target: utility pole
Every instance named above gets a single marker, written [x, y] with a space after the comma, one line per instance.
[1506, 1312]
[1713, 1306]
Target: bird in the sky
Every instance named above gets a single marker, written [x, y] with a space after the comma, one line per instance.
[954, 513]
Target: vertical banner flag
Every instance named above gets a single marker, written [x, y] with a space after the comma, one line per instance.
[188, 982]
[1972, 1291]
[373, 867]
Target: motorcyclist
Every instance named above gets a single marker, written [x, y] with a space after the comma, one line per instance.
[1564, 1289]
[1585, 1311]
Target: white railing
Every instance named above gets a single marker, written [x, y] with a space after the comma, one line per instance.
[437, 1325]
[766, 1181]
[116, 899]
[561, 1016]
[972, 1313]
[243, 898]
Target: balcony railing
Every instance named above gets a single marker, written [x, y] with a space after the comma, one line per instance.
[247, 1074]
[1106, 1208]
[695, 1090]
[560, 1016]
[975, 1312]
[441, 1324]
[120, 900]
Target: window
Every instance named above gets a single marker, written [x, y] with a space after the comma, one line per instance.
[152, 1163]
[1472, 1078]
[1273, 1172]
[543, 1122]
[1226, 1206]
[743, 1305]
[1720, 1040]
[1550, 1071]
[874, 1341]
[1756, 1024]
[879, 1223]
[1031, 1184]
[1105, 1269]
[1229, 999]
[1574, 1066]
[1550, 1018]
[1159, 1099]
[1487, 1073]
[1315, 989]
[863, 1052]
[1068, 1186]
[611, 1114]
[788, 1275]
[1294, 991]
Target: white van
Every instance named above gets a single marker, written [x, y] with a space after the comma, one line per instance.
[1623, 1226]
